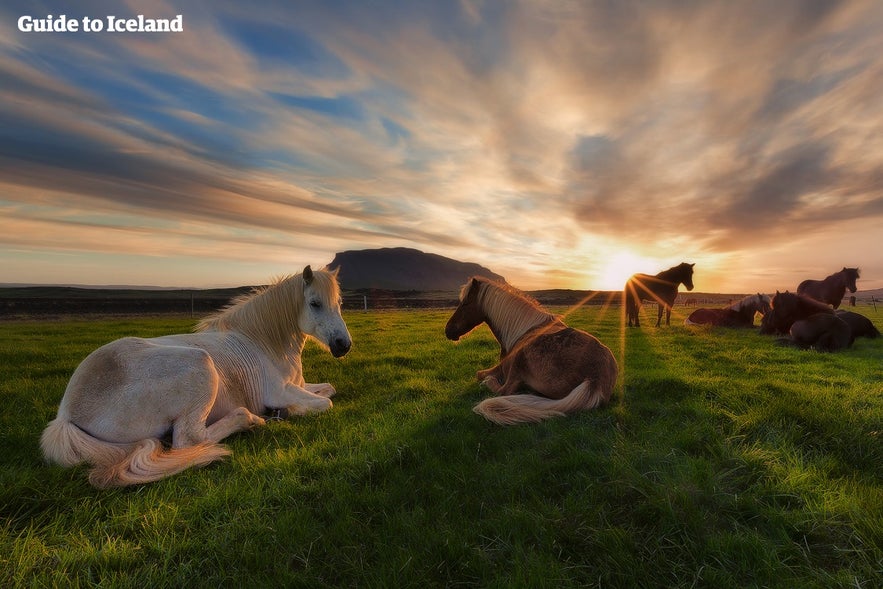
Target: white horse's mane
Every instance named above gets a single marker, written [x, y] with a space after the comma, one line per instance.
[269, 315]
[756, 301]
[512, 312]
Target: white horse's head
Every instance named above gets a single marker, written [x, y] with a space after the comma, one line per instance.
[320, 312]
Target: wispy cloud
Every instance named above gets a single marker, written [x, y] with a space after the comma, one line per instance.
[538, 138]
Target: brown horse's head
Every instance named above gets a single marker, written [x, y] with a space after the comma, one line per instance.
[469, 314]
[851, 274]
[788, 307]
[685, 274]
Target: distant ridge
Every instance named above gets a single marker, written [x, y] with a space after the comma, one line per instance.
[402, 268]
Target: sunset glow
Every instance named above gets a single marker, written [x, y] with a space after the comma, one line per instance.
[560, 144]
[622, 266]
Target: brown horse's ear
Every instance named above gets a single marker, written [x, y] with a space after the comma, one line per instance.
[308, 275]
[693, 264]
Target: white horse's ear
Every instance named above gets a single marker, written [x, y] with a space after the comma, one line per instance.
[308, 275]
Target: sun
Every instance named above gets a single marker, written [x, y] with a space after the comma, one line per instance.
[620, 267]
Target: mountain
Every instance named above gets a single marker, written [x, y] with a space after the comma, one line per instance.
[402, 268]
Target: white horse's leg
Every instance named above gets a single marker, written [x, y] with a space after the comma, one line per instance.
[322, 389]
[240, 419]
[298, 400]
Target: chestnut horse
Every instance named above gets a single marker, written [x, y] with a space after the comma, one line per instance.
[662, 288]
[740, 314]
[788, 307]
[564, 369]
[831, 289]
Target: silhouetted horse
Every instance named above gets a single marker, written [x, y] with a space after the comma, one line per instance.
[740, 314]
[823, 332]
[860, 325]
[831, 289]
[567, 369]
[788, 307]
[662, 288]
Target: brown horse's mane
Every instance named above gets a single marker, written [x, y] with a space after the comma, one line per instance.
[513, 312]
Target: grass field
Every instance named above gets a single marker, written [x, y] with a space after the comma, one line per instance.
[723, 460]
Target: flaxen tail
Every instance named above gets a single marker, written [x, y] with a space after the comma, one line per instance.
[512, 409]
[118, 465]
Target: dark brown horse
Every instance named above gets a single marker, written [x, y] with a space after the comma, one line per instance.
[831, 289]
[788, 307]
[740, 314]
[860, 325]
[823, 332]
[564, 369]
[662, 288]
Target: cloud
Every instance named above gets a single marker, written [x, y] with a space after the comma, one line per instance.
[521, 134]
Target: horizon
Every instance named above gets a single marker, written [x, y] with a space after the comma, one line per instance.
[559, 145]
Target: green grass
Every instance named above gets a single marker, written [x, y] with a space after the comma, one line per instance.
[723, 460]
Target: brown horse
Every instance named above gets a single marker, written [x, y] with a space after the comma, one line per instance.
[662, 288]
[860, 325]
[831, 289]
[564, 369]
[823, 332]
[788, 307]
[740, 314]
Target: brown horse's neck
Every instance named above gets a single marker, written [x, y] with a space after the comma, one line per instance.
[838, 282]
[510, 316]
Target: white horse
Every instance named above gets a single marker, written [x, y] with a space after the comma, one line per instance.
[200, 388]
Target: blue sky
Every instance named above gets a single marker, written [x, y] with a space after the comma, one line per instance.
[561, 144]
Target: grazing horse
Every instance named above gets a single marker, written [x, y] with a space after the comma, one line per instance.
[860, 325]
[198, 388]
[662, 288]
[740, 314]
[823, 332]
[831, 289]
[788, 307]
[565, 369]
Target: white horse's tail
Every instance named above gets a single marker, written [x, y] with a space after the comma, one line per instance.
[118, 465]
[512, 409]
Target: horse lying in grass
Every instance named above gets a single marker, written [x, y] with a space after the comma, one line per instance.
[788, 307]
[739, 314]
[128, 395]
[823, 332]
[565, 369]
[860, 325]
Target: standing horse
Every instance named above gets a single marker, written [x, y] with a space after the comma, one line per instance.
[740, 314]
[200, 388]
[831, 289]
[662, 288]
[567, 369]
[788, 307]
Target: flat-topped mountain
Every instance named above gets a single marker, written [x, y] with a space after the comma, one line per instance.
[402, 268]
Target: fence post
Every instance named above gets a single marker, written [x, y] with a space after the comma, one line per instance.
[365, 299]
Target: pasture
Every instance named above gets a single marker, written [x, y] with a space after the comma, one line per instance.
[723, 460]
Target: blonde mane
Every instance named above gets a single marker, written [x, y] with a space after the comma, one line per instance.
[510, 312]
[755, 301]
[269, 314]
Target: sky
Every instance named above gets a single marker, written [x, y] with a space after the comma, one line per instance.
[560, 143]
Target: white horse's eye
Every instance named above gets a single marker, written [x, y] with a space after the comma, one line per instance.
[316, 304]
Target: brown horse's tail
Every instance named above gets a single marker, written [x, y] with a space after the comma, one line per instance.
[118, 465]
[512, 409]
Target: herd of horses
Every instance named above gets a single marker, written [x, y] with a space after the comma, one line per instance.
[139, 410]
